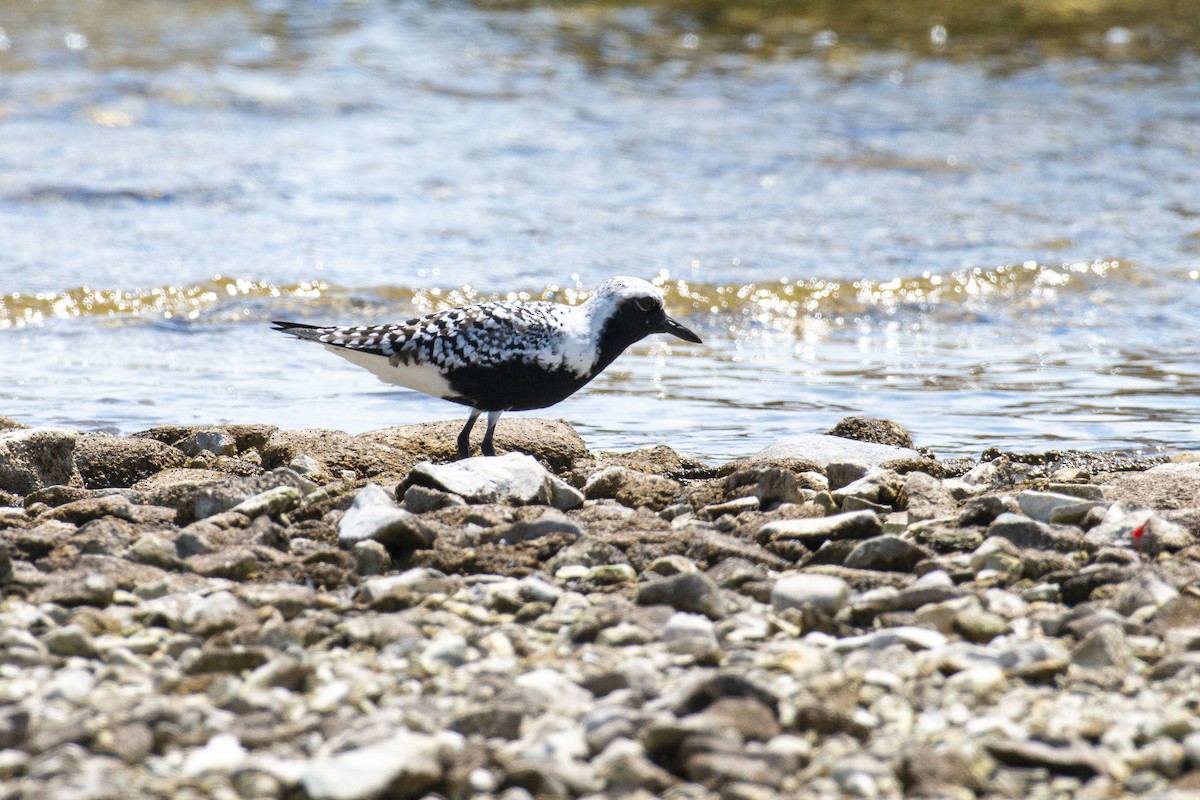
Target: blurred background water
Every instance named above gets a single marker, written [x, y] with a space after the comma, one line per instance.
[979, 220]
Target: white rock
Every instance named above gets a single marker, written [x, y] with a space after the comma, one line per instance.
[690, 628]
[513, 478]
[374, 515]
[222, 754]
[406, 759]
[824, 592]
[910, 636]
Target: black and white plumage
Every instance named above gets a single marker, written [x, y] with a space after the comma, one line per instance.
[503, 356]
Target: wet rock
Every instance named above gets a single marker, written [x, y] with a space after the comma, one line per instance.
[1028, 533]
[374, 516]
[515, 479]
[34, 458]
[822, 592]
[888, 553]
[871, 429]
[106, 462]
[693, 592]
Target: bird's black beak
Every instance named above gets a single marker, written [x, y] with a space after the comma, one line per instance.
[675, 329]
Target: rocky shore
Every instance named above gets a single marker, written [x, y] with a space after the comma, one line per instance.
[246, 612]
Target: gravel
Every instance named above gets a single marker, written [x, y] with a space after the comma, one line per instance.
[244, 612]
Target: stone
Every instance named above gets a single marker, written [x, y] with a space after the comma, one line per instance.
[106, 462]
[406, 764]
[371, 558]
[827, 449]
[214, 613]
[217, 442]
[271, 503]
[1104, 648]
[586, 551]
[497, 720]
[693, 592]
[544, 522]
[813, 531]
[632, 488]
[1043, 505]
[822, 592]
[879, 487]
[1144, 589]
[976, 625]
[69, 640]
[212, 660]
[156, 551]
[34, 458]
[1078, 761]
[222, 754]
[374, 516]
[1167, 486]
[65, 590]
[235, 563]
[928, 498]
[1029, 533]
[623, 765]
[514, 478]
[216, 497]
[1000, 555]
[888, 553]
[684, 630]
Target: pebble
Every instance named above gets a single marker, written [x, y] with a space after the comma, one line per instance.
[374, 516]
[822, 592]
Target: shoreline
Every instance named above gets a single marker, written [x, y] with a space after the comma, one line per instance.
[244, 611]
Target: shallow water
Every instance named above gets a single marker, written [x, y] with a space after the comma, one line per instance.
[990, 234]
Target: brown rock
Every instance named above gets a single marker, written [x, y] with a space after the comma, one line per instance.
[33, 458]
[107, 461]
[871, 429]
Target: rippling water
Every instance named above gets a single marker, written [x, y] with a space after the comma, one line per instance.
[987, 229]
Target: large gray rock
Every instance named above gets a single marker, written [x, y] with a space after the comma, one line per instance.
[827, 449]
[214, 498]
[374, 515]
[513, 478]
[1164, 486]
[34, 458]
[692, 591]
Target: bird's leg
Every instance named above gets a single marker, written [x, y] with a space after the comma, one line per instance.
[487, 449]
[464, 438]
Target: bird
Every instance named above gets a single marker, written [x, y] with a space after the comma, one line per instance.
[501, 355]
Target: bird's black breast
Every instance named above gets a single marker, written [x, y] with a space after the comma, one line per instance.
[513, 386]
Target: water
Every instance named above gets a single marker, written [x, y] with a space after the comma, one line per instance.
[985, 229]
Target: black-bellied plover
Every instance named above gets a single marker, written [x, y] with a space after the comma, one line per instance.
[503, 356]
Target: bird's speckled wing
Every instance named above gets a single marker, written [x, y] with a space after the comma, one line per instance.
[484, 334]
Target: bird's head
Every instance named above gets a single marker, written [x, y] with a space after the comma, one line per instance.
[630, 309]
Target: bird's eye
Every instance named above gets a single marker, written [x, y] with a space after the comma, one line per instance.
[646, 303]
